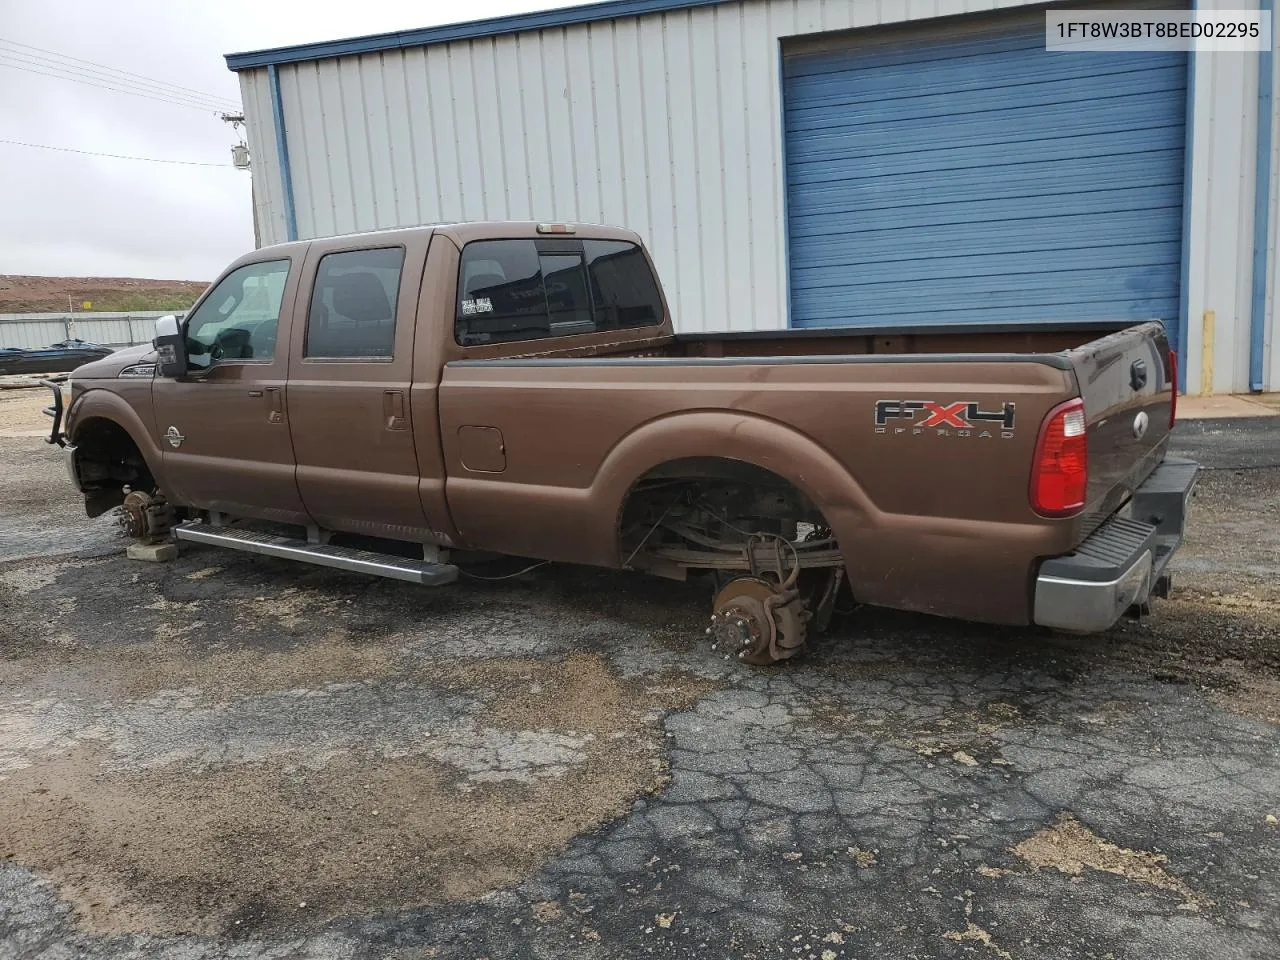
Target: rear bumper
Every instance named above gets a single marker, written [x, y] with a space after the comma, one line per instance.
[1119, 564]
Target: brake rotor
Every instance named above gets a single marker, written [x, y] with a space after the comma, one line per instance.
[145, 517]
[757, 621]
[133, 514]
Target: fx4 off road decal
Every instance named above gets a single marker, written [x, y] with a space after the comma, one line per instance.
[963, 418]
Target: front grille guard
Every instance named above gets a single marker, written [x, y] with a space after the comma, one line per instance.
[55, 411]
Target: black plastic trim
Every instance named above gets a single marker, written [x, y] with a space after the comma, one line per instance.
[1158, 511]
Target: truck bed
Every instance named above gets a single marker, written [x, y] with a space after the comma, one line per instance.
[937, 498]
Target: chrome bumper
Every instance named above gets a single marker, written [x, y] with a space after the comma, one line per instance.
[1087, 606]
[1119, 564]
[69, 462]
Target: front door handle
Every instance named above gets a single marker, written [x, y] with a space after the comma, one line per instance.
[276, 395]
[393, 410]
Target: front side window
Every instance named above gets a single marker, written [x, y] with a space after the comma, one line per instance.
[239, 319]
[534, 289]
[353, 305]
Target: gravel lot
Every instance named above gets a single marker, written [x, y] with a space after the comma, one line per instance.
[233, 756]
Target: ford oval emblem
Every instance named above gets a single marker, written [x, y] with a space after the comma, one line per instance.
[1140, 424]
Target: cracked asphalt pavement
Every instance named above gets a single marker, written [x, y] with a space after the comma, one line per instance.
[231, 756]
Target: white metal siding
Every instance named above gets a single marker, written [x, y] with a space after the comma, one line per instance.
[669, 124]
[268, 198]
[1224, 131]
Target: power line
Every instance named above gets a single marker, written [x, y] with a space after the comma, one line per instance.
[23, 61]
[71, 72]
[204, 108]
[114, 156]
[101, 67]
[116, 72]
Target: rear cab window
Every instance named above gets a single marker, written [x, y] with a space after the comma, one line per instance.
[512, 290]
[353, 305]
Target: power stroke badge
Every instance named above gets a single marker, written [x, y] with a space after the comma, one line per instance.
[963, 418]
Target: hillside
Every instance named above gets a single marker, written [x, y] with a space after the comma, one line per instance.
[20, 294]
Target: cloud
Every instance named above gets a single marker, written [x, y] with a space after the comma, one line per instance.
[79, 215]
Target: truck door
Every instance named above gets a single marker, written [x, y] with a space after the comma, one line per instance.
[224, 427]
[351, 371]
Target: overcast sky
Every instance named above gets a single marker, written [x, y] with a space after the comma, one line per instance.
[76, 215]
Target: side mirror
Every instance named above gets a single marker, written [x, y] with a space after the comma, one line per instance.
[171, 347]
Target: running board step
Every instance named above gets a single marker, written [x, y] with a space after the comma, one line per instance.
[325, 555]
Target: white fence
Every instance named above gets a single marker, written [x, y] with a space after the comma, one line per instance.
[109, 329]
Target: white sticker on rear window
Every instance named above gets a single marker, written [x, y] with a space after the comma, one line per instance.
[484, 305]
[468, 308]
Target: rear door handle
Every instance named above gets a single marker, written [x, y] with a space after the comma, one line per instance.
[393, 410]
[276, 395]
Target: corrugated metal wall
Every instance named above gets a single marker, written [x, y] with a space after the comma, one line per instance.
[669, 124]
[31, 330]
[268, 196]
[1220, 251]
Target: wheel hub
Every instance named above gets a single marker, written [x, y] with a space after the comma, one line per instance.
[757, 621]
[144, 517]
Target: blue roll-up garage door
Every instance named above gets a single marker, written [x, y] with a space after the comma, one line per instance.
[965, 175]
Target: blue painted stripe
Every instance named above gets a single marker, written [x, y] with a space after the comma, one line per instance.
[982, 179]
[282, 152]
[1261, 218]
[471, 30]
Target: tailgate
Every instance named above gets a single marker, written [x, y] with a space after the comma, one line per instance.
[1125, 380]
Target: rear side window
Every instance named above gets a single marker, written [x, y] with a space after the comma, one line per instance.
[622, 285]
[533, 289]
[353, 305]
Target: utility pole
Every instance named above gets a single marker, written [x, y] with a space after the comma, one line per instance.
[242, 160]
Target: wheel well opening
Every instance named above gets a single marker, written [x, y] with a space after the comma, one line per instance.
[106, 461]
[706, 512]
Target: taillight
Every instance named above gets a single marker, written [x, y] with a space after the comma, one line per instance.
[1173, 379]
[1060, 472]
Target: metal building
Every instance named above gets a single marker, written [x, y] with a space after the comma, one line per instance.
[812, 162]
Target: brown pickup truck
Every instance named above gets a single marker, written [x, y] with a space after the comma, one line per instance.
[518, 388]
